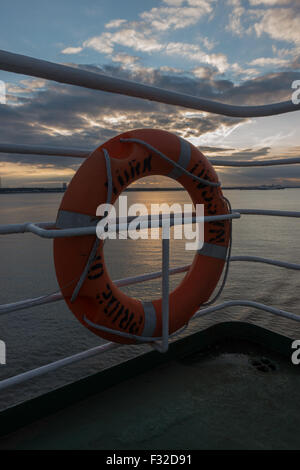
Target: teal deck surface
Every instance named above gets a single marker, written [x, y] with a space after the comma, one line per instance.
[211, 391]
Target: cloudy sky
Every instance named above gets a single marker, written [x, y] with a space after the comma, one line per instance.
[233, 51]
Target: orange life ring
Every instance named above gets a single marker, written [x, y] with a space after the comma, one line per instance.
[100, 302]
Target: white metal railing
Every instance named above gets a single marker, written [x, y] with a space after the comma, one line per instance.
[24, 149]
[96, 81]
[128, 281]
[47, 229]
[37, 372]
[44, 150]
[158, 221]
[74, 76]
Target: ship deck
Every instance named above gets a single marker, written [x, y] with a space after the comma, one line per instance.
[232, 386]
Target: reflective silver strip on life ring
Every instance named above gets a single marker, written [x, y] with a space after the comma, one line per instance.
[69, 219]
[215, 251]
[184, 159]
[150, 319]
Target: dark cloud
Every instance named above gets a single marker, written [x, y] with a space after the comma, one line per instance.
[247, 154]
[284, 175]
[70, 108]
[210, 149]
[269, 88]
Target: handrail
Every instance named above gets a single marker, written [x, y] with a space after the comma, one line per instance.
[37, 372]
[128, 281]
[48, 230]
[23, 377]
[273, 262]
[268, 212]
[57, 296]
[248, 303]
[24, 149]
[6, 147]
[251, 163]
[26, 65]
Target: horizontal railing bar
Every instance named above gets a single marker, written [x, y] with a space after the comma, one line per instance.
[156, 222]
[36, 190]
[9, 229]
[273, 262]
[46, 229]
[258, 188]
[44, 150]
[28, 303]
[247, 303]
[21, 378]
[84, 153]
[249, 163]
[275, 213]
[26, 65]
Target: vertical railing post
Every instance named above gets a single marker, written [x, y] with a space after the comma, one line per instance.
[164, 345]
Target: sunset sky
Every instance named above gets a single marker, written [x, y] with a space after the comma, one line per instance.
[235, 51]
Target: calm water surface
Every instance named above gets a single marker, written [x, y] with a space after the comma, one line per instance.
[43, 334]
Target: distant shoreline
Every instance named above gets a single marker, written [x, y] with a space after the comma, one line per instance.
[62, 190]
